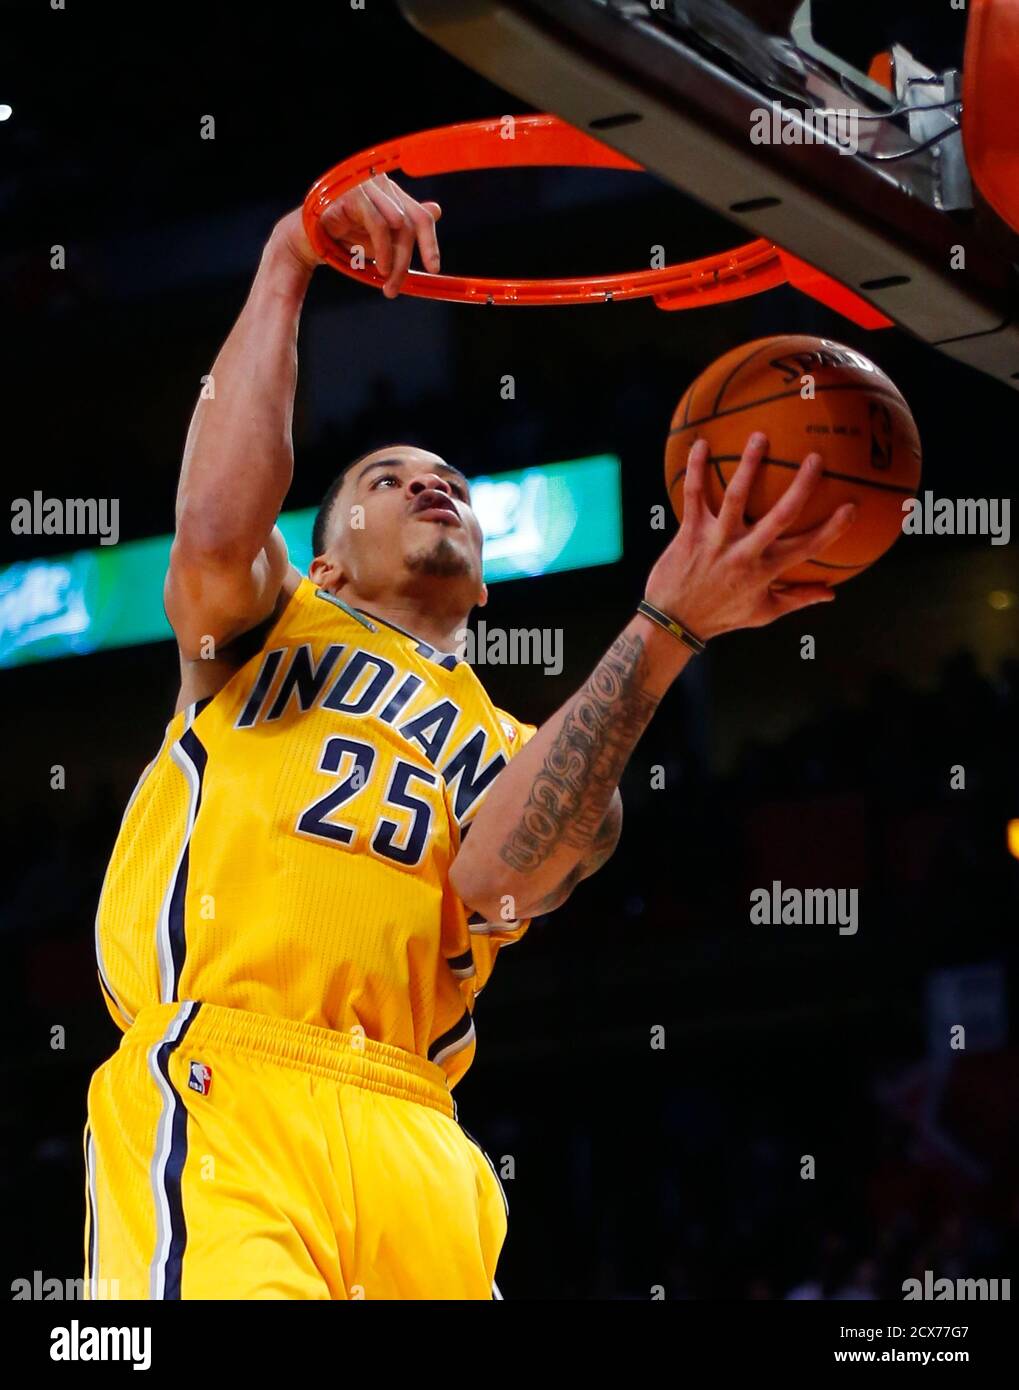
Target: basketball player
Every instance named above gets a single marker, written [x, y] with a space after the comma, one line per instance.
[316, 872]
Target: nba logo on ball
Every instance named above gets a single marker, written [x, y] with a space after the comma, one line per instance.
[201, 1078]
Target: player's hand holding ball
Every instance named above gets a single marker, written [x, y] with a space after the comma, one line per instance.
[380, 217]
[722, 572]
[758, 528]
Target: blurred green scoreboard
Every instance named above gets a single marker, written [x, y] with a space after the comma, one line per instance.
[558, 516]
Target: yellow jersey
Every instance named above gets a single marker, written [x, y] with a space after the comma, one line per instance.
[287, 850]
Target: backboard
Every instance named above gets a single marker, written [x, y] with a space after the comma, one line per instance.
[744, 106]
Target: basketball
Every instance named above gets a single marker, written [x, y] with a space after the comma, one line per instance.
[808, 395]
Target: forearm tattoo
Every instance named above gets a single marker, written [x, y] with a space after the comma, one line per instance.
[571, 793]
[601, 850]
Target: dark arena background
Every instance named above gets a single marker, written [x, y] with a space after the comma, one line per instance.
[652, 1068]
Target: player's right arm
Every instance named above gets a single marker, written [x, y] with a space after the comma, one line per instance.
[228, 562]
[552, 814]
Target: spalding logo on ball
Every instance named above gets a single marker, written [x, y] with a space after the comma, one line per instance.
[808, 395]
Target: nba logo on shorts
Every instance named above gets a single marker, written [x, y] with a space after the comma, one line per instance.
[200, 1078]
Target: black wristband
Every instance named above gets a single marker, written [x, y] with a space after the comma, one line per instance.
[681, 633]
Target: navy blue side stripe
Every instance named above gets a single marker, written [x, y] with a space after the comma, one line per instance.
[174, 1206]
[453, 1040]
[93, 1242]
[193, 749]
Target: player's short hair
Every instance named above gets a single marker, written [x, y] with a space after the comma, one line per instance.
[320, 528]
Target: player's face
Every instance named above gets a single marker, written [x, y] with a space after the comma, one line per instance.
[403, 508]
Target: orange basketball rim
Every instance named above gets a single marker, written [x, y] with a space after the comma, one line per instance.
[522, 141]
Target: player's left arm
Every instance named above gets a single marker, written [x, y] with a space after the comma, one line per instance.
[602, 849]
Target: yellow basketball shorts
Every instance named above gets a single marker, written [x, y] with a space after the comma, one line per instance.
[232, 1156]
